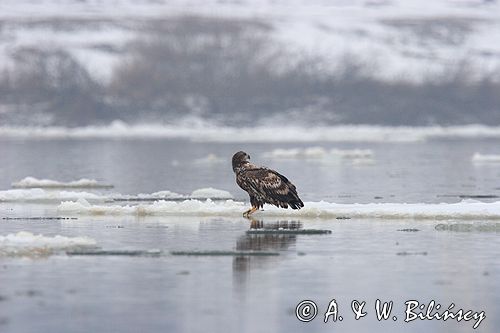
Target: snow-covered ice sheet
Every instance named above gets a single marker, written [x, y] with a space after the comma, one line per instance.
[208, 132]
[210, 192]
[319, 153]
[467, 209]
[32, 182]
[43, 195]
[25, 243]
[40, 195]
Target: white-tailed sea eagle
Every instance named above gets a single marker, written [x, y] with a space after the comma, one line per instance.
[264, 185]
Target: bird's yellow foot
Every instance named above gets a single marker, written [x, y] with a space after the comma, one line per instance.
[249, 212]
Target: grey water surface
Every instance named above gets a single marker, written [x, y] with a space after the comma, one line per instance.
[144, 279]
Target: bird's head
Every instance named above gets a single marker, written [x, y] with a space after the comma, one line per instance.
[239, 159]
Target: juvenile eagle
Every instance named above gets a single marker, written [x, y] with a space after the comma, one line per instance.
[264, 185]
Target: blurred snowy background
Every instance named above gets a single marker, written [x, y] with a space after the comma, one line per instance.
[249, 63]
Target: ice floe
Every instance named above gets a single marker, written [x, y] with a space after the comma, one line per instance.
[156, 195]
[208, 132]
[210, 159]
[190, 207]
[26, 243]
[32, 182]
[41, 195]
[201, 193]
[210, 192]
[467, 209]
[312, 152]
[319, 152]
[486, 158]
[353, 153]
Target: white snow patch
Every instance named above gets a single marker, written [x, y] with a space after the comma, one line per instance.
[319, 152]
[145, 196]
[207, 132]
[163, 195]
[210, 192]
[41, 195]
[391, 33]
[202, 193]
[32, 182]
[353, 153]
[157, 208]
[467, 209]
[311, 152]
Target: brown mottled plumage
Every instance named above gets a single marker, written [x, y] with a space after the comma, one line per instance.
[264, 185]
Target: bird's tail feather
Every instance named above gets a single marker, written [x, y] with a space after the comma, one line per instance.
[296, 203]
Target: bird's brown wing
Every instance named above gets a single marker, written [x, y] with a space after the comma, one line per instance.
[273, 188]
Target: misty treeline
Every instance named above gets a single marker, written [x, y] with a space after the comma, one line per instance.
[231, 71]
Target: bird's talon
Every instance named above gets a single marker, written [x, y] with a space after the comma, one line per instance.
[249, 212]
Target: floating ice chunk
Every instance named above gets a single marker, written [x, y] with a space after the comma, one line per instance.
[209, 192]
[315, 152]
[483, 158]
[311, 152]
[210, 159]
[202, 193]
[353, 153]
[76, 206]
[41, 195]
[283, 153]
[462, 210]
[162, 195]
[177, 208]
[207, 132]
[32, 182]
[167, 195]
[28, 239]
[320, 153]
[469, 227]
[26, 243]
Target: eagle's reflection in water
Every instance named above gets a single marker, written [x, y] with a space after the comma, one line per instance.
[262, 242]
